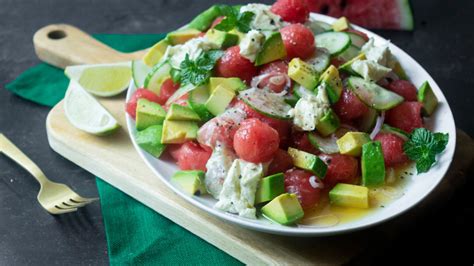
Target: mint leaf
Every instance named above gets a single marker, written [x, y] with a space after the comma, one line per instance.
[228, 11]
[424, 163]
[230, 18]
[441, 141]
[244, 20]
[199, 71]
[227, 24]
[234, 19]
[423, 146]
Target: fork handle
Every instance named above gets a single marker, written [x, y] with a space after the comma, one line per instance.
[12, 151]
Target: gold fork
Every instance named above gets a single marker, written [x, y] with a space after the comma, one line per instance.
[54, 197]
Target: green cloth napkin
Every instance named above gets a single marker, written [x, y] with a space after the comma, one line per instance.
[135, 233]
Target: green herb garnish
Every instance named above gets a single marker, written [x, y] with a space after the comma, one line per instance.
[234, 19]
[198, 71]
[423, 146]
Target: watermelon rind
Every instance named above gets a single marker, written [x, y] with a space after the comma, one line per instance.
[406, 15]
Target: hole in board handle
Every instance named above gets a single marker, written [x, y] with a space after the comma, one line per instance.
[57, 34]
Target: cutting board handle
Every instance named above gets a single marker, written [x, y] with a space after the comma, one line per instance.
[63, 45]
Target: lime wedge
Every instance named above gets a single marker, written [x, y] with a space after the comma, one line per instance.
[86, 113]
[102, 80]
[139, 72]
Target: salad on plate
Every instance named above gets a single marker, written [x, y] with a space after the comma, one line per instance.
[273, 113]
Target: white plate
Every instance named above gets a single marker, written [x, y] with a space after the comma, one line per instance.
[417, 187]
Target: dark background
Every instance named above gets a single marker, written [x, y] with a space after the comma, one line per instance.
[442, 42]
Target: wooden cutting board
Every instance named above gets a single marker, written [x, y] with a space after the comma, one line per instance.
[114, 159]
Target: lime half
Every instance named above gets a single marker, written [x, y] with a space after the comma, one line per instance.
[86, 113]
[102, 80]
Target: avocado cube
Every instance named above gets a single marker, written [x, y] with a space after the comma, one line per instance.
[352, 196]
[347, 66]
[219, 100]
[372, 164]
[270, 187]
[284, 209]
[204, 20]
[239, 34]
[303, 73]
[328, 124]
[197, 99]
[333, 83]
[156, 52]
[221, 38]
[201, 110]
[150, 140]
[398, 69]
[148, 113]
[175, 132]
[191, 181]
[308, 161]
[272, 49]
[178, 112]
[182, 36]
[341, 24]
[351, 143]
[235, 84]
[427, 97]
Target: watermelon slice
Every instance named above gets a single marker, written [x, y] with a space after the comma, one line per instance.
[374, 14]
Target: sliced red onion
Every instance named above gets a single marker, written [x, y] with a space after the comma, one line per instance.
[383, 82]
[349, 127]
[378, 125]
[391, 76]
[320, 221]
[257, 79]
[277, 79]
[313, 181]
[288, 81]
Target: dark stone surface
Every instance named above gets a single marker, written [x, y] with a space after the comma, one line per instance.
[442, 43]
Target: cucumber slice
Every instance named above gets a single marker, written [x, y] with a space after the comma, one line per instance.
[357, 40]
[350, 53]
[335, 42]
[393, 130]
[301, 91]
[139, 72]
[180, 92]
[197, 99]
[368, 120]
[291, 99]
[373, 95]
[325, 145]
[321, 61]
[157, 76]
[318, 27]
[266, 102]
